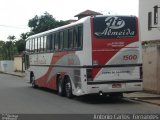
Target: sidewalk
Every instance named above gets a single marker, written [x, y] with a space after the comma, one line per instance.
[144, 97]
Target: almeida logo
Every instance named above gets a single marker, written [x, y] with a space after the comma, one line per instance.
[114, 22]
[116, 27]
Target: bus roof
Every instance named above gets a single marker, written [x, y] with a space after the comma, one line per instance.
[59, 28]
[72, 24]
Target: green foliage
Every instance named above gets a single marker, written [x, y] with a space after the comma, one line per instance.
[7, 50]
[20, 44]
[43, 23]
[11, 37]
[37, 24]
[1, 49]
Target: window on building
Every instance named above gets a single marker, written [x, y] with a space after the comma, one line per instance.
[149, 20]
[156, 14]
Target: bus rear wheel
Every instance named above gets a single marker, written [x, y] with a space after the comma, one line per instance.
[68, 88]
[33, 81]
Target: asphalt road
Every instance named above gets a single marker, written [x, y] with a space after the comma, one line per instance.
[17, 96]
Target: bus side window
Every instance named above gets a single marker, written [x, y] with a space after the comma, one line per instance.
[30, 44]
[57, 41]
[80, 36]
[61, 39]
[42, 44]
[75, 37]
[65, 43]
[70, 38]
[36, 45]
[49, 42]
[27, 45]
[45, 39]
[53, 41]
[33, 45]
[39, 44]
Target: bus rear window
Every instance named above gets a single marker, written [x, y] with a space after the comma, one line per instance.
[114, 27]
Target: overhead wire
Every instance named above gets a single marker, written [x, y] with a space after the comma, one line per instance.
[15, 27]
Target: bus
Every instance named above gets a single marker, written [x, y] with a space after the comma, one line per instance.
[94, 55]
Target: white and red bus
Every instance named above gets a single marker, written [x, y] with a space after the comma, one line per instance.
[95, 55]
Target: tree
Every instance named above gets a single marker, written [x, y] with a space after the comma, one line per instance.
[2, 43]
[44, 22]
[20, 44]
[10, 47]
[7, 50]
[11, 37]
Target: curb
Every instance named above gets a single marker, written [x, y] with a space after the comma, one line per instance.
[13, 74]
[146, 100]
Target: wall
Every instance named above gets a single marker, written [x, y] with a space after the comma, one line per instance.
[7, 66]
[158, 68]
[18, 63]
[151, 68]
[146, 6]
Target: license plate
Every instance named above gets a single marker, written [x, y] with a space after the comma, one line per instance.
[116, 85]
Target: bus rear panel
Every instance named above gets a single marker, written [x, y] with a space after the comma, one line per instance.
[116, 55]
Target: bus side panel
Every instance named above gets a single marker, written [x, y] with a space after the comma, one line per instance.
[58, 66]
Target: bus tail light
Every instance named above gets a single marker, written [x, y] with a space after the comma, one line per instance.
[77, 79]
[89, 75]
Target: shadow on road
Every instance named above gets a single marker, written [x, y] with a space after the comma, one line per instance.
[94, 99]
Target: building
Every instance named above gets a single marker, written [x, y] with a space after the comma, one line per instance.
[87, 13]
[70, 21]
[149, 19]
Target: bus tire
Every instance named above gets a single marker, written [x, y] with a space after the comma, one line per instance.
[31, 75]
[61, 86]
[33, 82]
[68, 88]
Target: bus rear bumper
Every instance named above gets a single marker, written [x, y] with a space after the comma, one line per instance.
[114, 88]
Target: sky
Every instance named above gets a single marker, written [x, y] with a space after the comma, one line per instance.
[15, 14]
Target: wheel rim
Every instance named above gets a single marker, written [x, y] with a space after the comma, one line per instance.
[59, 87]
[33, 81]
[68, 88]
